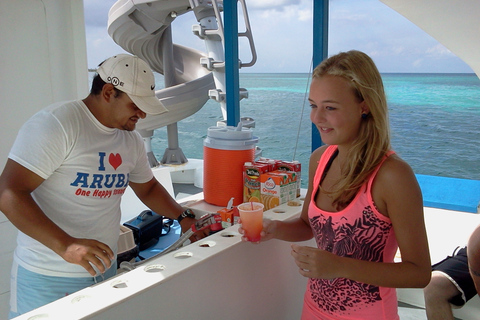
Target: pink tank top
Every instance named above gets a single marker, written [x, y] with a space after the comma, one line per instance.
[359, 231]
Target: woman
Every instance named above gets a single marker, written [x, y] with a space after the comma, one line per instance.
[362, 203]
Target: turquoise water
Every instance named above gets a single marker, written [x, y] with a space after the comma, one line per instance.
[434, 119]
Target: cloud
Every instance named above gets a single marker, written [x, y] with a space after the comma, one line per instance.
[99, 44]
[439, 50]
[271, 4]
[418, 63]
[282, 32]
[96, 12]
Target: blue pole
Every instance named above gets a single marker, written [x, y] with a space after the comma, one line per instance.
[232, 82]
[320, 49]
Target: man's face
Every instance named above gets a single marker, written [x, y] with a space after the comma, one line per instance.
[124, 113]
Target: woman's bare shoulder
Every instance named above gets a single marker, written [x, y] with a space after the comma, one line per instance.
[396, 174]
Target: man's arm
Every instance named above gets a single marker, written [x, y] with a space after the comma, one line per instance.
[473, 253]
[157, 198]
[16, 185]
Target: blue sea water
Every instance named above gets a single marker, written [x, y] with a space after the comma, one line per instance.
[434, 119]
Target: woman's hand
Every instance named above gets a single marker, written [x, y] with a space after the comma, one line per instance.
[316, 263]
[267, 233]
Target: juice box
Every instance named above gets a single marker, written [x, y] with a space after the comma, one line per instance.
[294, 166]
[272, 163]
[276, 188]
[292, 184]
[229, 216]
[251, 180]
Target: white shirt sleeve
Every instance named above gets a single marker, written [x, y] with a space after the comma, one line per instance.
[41, 144]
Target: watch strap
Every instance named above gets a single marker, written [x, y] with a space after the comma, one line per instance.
[188, 213]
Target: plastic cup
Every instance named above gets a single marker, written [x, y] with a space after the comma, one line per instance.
[251, 214]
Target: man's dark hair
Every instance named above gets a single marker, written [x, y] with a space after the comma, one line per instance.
[97, 85]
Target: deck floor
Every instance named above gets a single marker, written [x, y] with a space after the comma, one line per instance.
[408, 312]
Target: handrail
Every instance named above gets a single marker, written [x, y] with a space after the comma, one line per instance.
[200, 32]
[248, 35]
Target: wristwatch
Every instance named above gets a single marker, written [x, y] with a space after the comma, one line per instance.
[186, 214]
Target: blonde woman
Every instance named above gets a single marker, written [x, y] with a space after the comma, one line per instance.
[363, 201]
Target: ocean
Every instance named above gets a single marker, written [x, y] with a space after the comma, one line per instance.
[434, 120]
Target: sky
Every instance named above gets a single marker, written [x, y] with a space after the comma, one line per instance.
[282, 33]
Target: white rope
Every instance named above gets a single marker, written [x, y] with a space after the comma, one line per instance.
[303, 108]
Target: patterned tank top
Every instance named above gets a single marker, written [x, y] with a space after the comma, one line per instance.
[358, 231]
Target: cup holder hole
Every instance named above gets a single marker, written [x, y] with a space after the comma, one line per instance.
[39, 316]
[154, 268]
[183, 255]
[80, 298]
[120, 284]
[228, 234]
[279, 211]
[207, 244]
[294, 203]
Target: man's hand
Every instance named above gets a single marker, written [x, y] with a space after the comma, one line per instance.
[89, 254]
[187, 223]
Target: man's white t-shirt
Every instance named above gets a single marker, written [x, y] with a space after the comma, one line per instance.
[86, 167]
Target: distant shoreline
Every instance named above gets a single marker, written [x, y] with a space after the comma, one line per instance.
[389, 73]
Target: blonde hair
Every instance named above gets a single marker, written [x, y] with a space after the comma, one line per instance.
[373, 140]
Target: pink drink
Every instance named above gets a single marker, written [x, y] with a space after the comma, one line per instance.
[251, 214]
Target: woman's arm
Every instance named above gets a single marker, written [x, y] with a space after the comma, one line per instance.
[402, 202]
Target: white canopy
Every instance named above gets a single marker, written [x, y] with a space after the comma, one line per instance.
[454, 23]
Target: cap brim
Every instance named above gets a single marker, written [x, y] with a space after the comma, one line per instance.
[149, 105]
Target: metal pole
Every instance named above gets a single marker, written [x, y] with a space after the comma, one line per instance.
[173, 153]
[320, 49]
[230, 12]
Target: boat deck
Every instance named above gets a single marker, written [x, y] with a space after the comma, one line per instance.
[409, 312]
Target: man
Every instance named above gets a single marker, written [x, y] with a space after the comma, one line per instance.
[454, 281]
[63, 182]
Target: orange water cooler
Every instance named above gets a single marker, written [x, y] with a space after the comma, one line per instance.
[225, 150]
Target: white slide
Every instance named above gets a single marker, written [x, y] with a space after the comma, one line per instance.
[141, 28]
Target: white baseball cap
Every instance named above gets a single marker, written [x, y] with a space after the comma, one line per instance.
[133, 76]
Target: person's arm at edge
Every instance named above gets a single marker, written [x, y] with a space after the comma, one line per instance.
[473, 253]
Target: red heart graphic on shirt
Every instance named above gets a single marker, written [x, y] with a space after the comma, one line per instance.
[115, 160]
